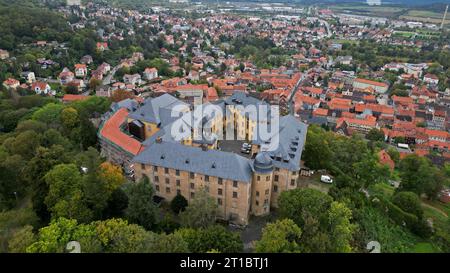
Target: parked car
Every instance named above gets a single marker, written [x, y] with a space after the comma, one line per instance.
[326, 179]
[246, 145]
[245, 150]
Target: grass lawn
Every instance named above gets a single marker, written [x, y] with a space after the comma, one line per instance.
[313, 182]
[384, 189]
[425, 13]
[367, 10]
[424, 248]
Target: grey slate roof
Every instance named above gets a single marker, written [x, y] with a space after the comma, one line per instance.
[130, 104]
[193, 159]
[292, 137]
[158, 110]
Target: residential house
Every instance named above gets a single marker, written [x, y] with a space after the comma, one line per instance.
[385, 159]
[11, 83]
[86, 59]
[29, 77]
[132, 79]
[66, 76]
[150, 73]
[102, 46]
[363, 84]
[4, 54]
[431, 79]
[81, 70]
[42, 88]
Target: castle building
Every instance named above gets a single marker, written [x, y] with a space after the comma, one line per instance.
[198, 158]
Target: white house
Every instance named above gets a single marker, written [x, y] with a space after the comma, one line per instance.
[42, 88]
[431, 79]
[29, 77]
[150, 73]
[81, 70]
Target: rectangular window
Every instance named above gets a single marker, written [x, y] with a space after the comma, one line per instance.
[142, 166]
[178, 182]
[257, 202]
[258, 178]
[275, 188]
[257, 193]
[275, 178]
[266, 201]
[219, 201]
[267, 178]
[267, 192]
[157, 187]
[292, 182]
[235, 184]
[235, 194]
[167, 190]
[155, 168]
[277, 169]
[219, 191]
[191, 175]
[207, 178]
[192, 195]
[156, 178]
[167, 181]
[220, 181]
[177, 172]
[192, 186]
[166, 170]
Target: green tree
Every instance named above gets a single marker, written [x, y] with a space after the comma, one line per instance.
[117, 236]
[375, 135]
[53, 238]
[279, 237]
[49, 114]
[65, 196]
[141, 209]
[178, 203]
[409, 202]
[216, 237]
[69, 117]
[21, 239]
[168, 243]
[317, 152]
[369, 171]
[418, 175]
[201, 212]
[340, 228]
[325, 224]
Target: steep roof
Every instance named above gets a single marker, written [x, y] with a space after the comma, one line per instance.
[286, 151]
[193, 159]
[111, 131]
[158, 110]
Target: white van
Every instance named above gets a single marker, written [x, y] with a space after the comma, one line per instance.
[326, 179]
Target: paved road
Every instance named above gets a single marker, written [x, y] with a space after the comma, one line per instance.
[327, 26]
[107, 80]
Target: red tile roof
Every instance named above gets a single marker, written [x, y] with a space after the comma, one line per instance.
[375, 83]
[111, 131]
[70, 98]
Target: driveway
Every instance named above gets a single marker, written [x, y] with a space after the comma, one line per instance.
[252, 232]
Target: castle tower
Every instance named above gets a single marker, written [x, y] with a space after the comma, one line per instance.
[261, 184]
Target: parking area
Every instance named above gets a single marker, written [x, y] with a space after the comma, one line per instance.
[233, 146]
